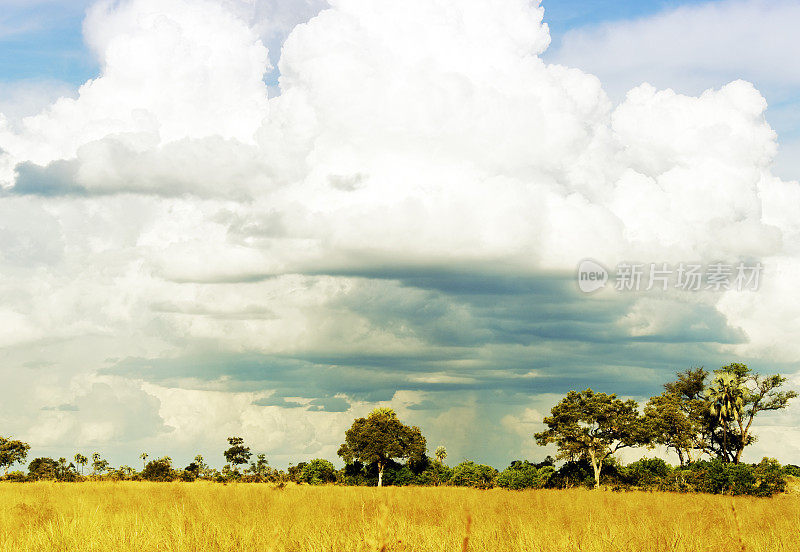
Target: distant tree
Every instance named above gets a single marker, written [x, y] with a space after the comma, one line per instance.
[318, 472]
[81, 460]
[43, 468]
[159, 470]
[203, 469]
[593, 426]
[237, 454]
[441, 453]
[470, 474]
[260, 469]
[98, 464]
[380, 437]
[191, 472]
[295, 472]
[12, 452]
[144, 457]
[525, 475]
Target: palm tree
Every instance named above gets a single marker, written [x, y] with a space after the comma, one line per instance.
[441, 453]
[143, 456]
[726, 397]
[81, 460]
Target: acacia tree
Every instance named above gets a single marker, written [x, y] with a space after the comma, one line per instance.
[12, 452]
[593, 426]
[678, 417]
[380, 437]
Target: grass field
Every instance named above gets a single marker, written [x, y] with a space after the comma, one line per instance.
[141, 517]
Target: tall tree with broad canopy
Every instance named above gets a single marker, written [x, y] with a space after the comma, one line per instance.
[12, 452]
[678, 418]
[381, 437]
[593, 426]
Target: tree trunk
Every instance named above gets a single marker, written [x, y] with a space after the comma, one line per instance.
[725, 444]
[596, 466]
[738, 454]
[380, 474]
[680, 456]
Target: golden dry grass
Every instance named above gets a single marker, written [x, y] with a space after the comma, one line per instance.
[139, 517]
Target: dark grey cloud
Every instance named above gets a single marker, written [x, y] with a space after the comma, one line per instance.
[329, 404]
[272, 400]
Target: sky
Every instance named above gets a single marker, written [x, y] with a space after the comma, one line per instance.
[267, 217]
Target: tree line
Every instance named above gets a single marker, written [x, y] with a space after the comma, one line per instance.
[705, 418]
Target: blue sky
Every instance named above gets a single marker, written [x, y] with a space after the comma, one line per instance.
[190, 251]
[44, 40]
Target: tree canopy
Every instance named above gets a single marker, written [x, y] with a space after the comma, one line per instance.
[592, 426]
[12, 452]
[380, 437]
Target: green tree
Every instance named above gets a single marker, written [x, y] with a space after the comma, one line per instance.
[237, 454]
[725, 396]
[43, 468]
[678, 418]
[525, 475]
[260, 468]
[735, 397]
[593, 426]
[318, 472]
[440, 454]
[98, 464]
[380, 437]
[81, 460]
[143, 457]
[159, 470]
[203, 469]
[470, 474]
[12, 452]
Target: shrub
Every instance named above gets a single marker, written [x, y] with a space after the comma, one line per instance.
[525, 475]
[318, 472]
[470, 474]
[436, 473]
[43, 468]
[791, 469]
[651, 473]
[159, 470]
[717, 477]
[770, 477]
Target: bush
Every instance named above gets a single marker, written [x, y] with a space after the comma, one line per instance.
[318, 472]
[42, 468]
[791, 469]
[525, 475]
[650, 473]
[770, 477]
[470, 474]
[717, 477]
[436, 473]
[159, 470]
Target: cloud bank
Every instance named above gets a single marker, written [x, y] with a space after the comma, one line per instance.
[399, 225]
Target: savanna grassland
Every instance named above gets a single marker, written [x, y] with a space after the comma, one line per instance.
[238, 517]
